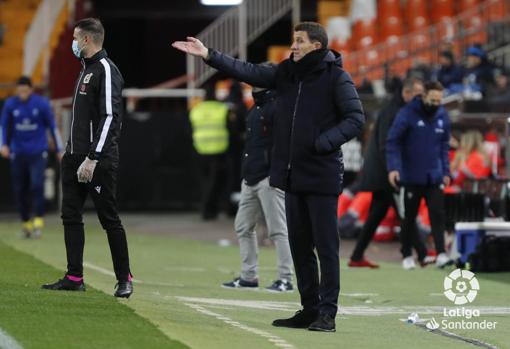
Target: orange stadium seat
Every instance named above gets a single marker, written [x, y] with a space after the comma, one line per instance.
[464, 5]
[416, 15]
[441, 10]
[364, 33]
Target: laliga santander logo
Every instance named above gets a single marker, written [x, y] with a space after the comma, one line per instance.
[461, 286]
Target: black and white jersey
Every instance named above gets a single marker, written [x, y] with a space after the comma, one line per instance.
[97, 109]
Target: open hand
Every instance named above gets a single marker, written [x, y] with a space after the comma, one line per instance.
[192, 46]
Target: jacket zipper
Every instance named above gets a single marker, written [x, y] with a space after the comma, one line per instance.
[74, 102]
[91, 133]
[289, 165]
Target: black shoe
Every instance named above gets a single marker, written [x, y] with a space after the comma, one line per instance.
[241, 283]
[65, 285]
[324, 323]
[124, 289]
[302, 319]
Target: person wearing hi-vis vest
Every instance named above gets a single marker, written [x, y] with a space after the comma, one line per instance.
[209, 121]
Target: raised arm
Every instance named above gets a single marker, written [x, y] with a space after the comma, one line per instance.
[253, 74]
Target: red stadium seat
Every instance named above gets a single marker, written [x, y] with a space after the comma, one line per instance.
[416, 15]
[364, 33]
[441, 10]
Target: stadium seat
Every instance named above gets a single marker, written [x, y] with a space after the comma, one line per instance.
[442, 9]
[416, 15]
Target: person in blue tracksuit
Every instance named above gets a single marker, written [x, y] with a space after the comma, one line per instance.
[417, 162]
[25, 120]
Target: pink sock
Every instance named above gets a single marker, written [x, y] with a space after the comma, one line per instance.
[130, 277]
[74, 278]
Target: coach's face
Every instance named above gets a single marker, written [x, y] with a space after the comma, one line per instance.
[433, 97]
[301, 45]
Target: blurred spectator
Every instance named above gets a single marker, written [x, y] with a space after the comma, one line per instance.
[478, 74]
[499, 92]
[209, 120]
[449, 72]
[392, 82]
[471, 160]
[419, 70]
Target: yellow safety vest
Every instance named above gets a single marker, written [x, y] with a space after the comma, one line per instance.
[209, 122]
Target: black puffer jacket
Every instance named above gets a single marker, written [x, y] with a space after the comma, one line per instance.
[315, 114]
[259, 140]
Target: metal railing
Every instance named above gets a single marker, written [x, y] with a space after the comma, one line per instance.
[233, 31]
[38, 35]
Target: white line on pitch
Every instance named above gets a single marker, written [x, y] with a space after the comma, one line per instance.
[273, 339]
[8, 342]
[136, 281]
[355, 310]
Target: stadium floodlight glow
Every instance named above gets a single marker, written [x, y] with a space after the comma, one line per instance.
[220, 2]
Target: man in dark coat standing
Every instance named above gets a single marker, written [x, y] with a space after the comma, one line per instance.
[318, 110]
[374, 177]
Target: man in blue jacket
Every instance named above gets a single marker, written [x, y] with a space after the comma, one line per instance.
[317, 110]
[417, 161]
[25, 119]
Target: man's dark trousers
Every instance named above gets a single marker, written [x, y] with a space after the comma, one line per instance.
[102, 190]
[311, 222]
[434, 198]
[27, 172]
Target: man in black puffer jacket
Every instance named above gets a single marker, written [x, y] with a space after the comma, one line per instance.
[318, 110]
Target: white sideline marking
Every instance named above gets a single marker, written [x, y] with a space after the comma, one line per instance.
[8, 342]
[359, 294]
[136, 281]
[277, 341]
[186, 269]
[357, 310]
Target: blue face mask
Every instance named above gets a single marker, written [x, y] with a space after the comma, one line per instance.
[76, 49]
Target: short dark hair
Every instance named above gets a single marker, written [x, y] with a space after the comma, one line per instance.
[448, 54]
[409, 83]
[433, 85]
[24, 80]
[93, 27]
[315, 31]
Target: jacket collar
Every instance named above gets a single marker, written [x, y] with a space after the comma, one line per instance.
[95, 58]
[261, 97]
[329, 57]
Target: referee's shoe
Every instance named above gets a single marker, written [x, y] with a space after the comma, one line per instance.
[65, 284]
[124, 289]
